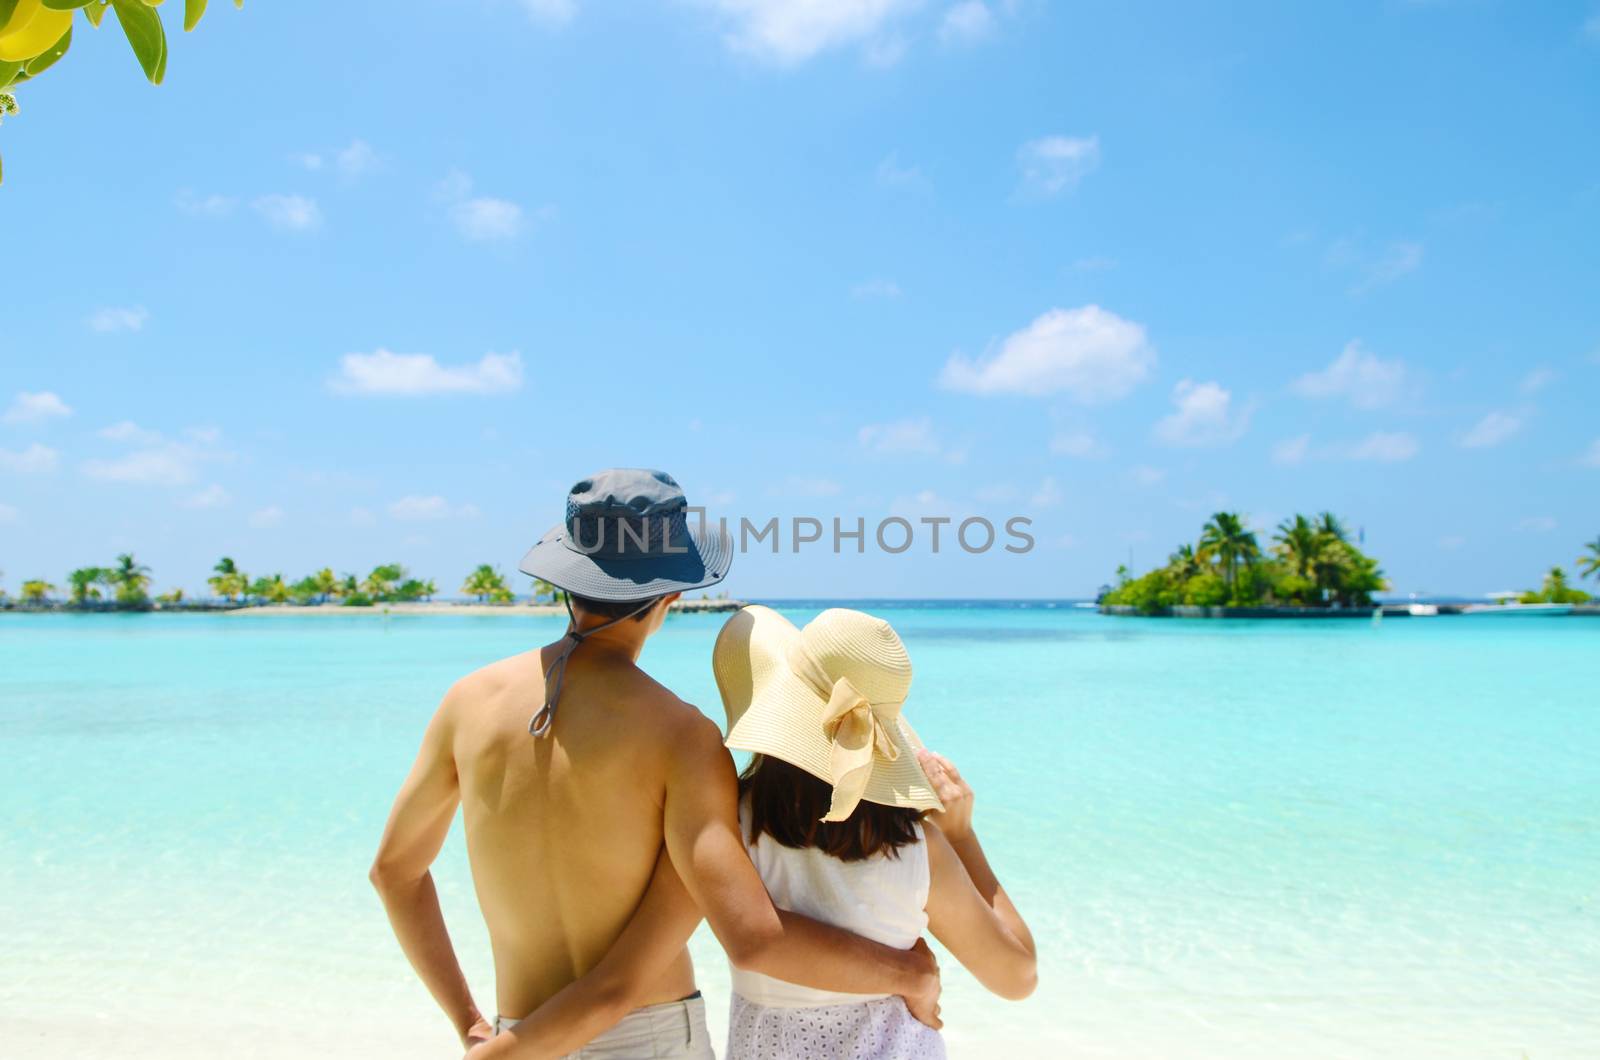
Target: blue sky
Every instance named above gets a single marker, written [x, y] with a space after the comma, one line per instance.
[366, 282]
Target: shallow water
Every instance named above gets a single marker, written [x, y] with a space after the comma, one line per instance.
[1325, 839]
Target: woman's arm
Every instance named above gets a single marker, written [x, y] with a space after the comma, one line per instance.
[968, 910]
[656, 934]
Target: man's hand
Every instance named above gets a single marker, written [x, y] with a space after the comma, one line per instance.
[955, 821]
[924, 1004]
[479, 1032]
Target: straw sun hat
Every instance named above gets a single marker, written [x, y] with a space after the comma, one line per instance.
[827, 699]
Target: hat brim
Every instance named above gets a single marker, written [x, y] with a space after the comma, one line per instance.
[772, 711]
[703, 562]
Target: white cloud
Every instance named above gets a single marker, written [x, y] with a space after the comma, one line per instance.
[1088, 353]
[28, 407]
[484, 218]
[118, 318]
[1204, 416]
[1494, 428]
[35, 460]
[362, 517]
[1451, 542]
[205, 205]
[266, 518]
[1591, 28]
[213, 496]
[1053, 164]
[418, 508]
[901, 437]
[1396, 260]
[1591, 458]
[1536, 380]
[413, 374]
[479, 218]
[969, 20]
[1362, 378]
[891, 174]
[1383, 446]
[292, 213]
[554, 12]
[8, 514]
[356, 160]
[163, 466]
[1291, 451]
[1048, 495]
[1145, 475]
[155, 460]
[787, 32]
[1076, 442]
[876, 287]
[1537, 524]
[309, 160]
[130, 433]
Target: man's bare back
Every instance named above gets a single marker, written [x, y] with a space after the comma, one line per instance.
[564, 833]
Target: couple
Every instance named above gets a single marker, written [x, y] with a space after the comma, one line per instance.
[604, 819]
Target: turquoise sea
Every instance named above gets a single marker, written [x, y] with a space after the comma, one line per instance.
[1240, 839]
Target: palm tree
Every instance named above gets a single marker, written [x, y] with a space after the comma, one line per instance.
[132, 579]
[229, 582]
[348, 587]
[1226, 538]
[1589, 564]
[484, 582]
[1328, 523]
[1300, 542]
[1184, 563]
[324, 583]
[543, 590]
[36, 591]
[170, 597]
[86, 582]
[380, 584]
[274, 590]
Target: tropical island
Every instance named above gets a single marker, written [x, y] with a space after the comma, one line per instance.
[388, 587]
[1310, 568]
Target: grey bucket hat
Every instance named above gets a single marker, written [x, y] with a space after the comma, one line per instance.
[629, 535]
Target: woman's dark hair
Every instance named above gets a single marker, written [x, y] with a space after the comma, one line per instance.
[787, 803]
[612, 608]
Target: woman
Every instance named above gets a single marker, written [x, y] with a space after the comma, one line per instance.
[850, 821]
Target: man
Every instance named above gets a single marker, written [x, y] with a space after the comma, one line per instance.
[591, 793]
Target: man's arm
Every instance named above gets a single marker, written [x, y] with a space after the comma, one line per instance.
[702, 836]
[656, 934]
[417, 827]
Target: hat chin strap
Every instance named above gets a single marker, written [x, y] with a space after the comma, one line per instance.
[541, 722]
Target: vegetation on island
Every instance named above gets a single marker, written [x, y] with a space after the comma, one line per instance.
[1309, 562]
[35, 34]
[125, 586]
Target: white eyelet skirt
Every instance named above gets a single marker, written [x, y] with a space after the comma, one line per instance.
[868, 1030]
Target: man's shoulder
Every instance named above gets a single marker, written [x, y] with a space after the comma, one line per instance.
[492, 679]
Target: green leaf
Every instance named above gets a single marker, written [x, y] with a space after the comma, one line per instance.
[95, 12]
[192, 10]
[66, 5]
[47, 58]
[7, 9]
[8, 71]
[143, 28]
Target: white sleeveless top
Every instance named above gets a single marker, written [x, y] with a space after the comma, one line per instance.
[882, 898]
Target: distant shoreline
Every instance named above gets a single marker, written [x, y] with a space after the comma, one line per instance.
[468, 610]
[415, 607]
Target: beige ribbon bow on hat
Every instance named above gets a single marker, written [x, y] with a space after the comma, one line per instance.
[857, 728]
